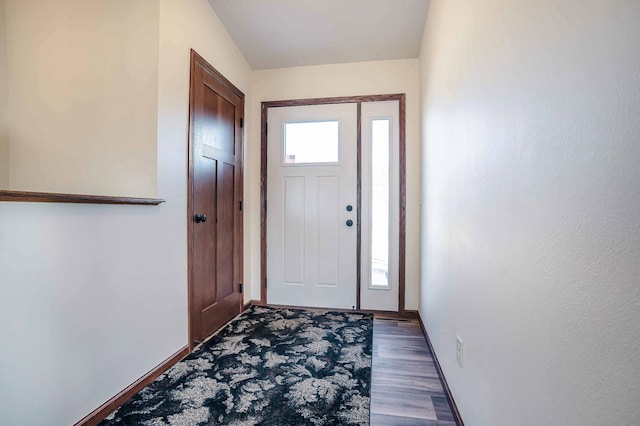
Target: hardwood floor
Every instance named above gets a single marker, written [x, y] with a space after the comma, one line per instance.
[405, 388]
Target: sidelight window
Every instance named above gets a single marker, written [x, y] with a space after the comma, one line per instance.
[380, 146]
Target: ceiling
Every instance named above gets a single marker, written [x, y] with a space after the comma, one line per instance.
[289, 33]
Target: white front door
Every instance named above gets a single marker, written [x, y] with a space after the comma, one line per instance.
[312, 200]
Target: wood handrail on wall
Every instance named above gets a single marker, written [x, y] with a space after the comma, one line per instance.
[52, 197]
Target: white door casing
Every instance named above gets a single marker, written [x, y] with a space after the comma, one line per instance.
[311, 252]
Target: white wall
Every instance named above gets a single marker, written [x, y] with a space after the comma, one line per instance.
[4, 139]
[361, 78]
[531, 185]
[78, 71]
[92, 296]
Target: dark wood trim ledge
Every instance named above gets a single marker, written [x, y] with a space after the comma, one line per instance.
[105, 409]
[53, 197]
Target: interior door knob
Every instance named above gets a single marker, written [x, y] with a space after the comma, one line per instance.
[349, 222]
[200, 218]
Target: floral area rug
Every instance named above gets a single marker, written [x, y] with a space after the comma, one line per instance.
[267, 367]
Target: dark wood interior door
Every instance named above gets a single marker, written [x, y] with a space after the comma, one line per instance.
[215, 205]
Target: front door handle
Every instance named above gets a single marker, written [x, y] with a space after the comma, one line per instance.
[200, 218]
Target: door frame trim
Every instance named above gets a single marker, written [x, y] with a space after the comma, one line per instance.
[196, 59]
[359, 100]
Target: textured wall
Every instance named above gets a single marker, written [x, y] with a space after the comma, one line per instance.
[531, 229]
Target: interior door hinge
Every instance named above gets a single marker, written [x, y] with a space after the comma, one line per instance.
[240, 205]
[265, 283]
[266, 128]
[241, 287]
[241, 121]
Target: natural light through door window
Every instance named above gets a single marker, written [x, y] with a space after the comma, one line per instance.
[314, 142]
[380, 146]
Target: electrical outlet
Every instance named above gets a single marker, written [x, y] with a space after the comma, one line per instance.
[459, 351]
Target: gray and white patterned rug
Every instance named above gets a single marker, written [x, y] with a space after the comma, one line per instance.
[267, 367]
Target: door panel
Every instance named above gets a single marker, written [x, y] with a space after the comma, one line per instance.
[311, 178]
[293, 229]
[218, 134]
[225, 240]
[329, 230]
[215, 244]
[206, 182]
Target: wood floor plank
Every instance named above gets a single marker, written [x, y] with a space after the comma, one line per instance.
[386, 420]
[405, 387]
